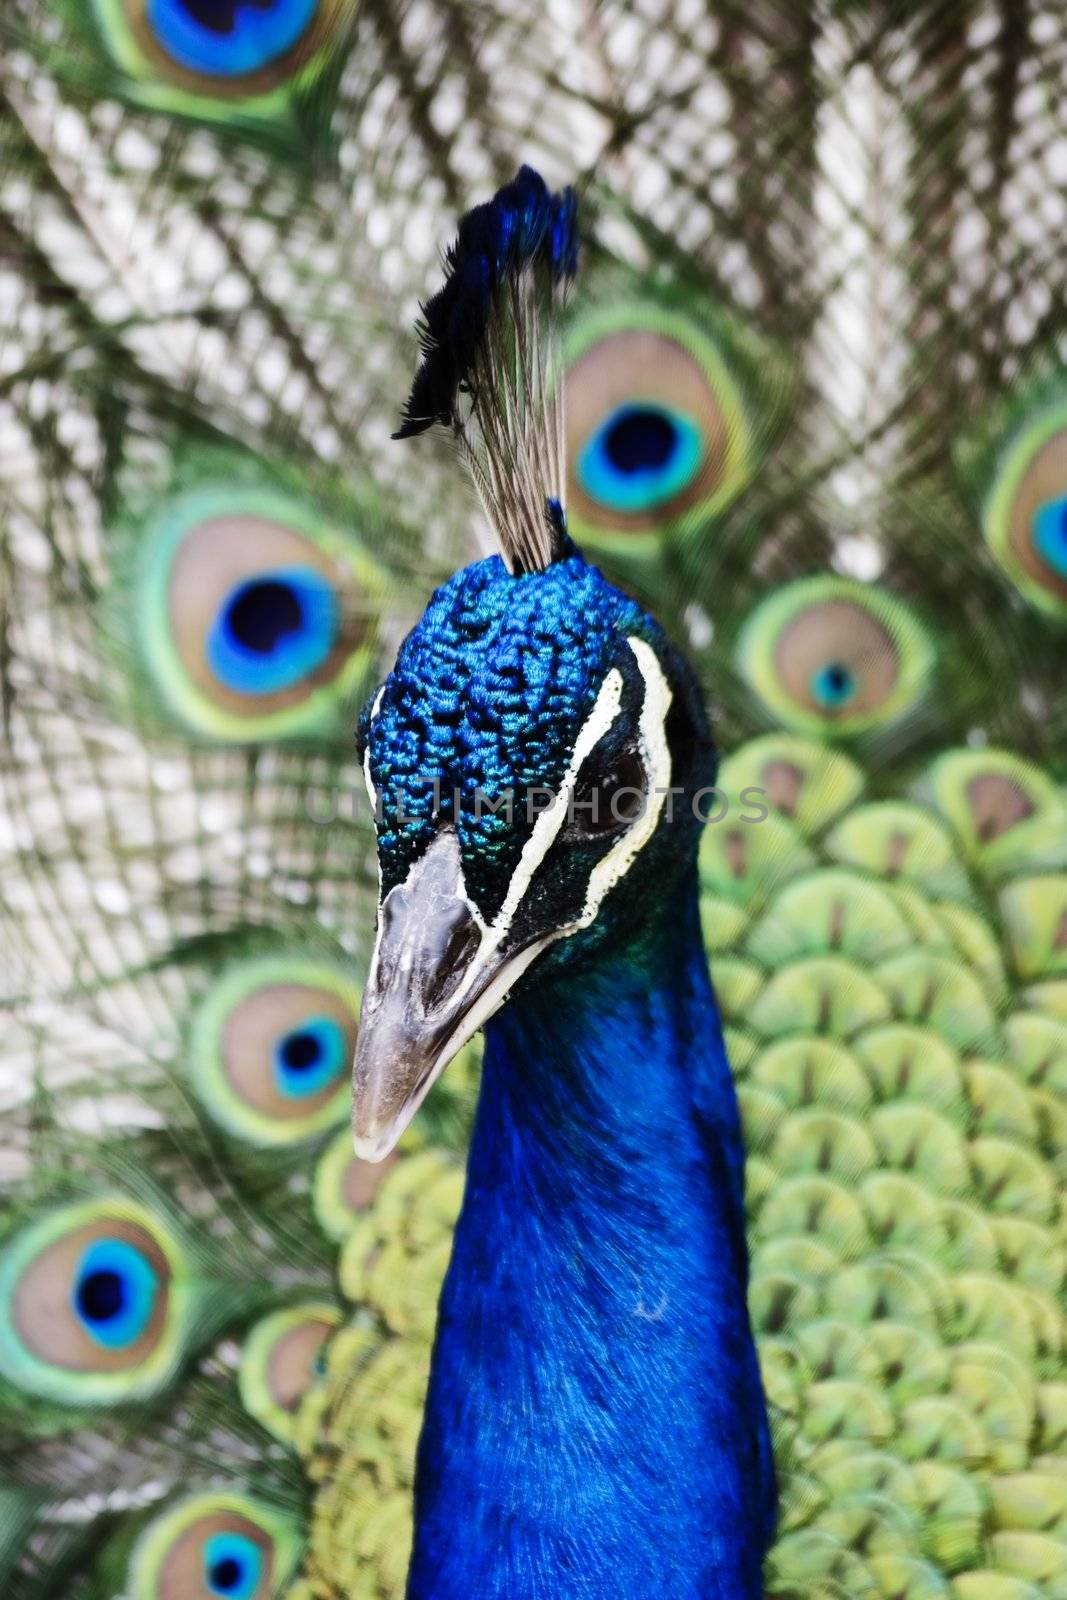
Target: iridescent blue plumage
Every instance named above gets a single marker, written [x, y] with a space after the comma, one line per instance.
[523, 227]
[114, 1292]
[229, 38]
[488, 694]
[595, 1423]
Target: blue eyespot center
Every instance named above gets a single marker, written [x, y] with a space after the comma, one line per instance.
[273, 630]
[309, 1057]
[301, 1051]
[641, 456]
[229, 38]
[220, 16]
[834, 685]
[1050, 534]
[114, 1293]
[263, 613]
[233, 1566]
[101, 1296]
[641, 439]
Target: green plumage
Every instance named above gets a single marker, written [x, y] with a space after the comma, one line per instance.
[824, 247]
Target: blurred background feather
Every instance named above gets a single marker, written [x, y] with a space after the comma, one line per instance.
[817, 418]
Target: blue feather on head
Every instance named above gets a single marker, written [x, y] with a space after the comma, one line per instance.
[510, 668]
[523, 227]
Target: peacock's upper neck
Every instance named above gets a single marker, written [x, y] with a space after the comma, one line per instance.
[594, 1404]
[594, 1071]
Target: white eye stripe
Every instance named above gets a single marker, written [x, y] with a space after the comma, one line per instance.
[656, 756]
[372, 793]
[547, 827]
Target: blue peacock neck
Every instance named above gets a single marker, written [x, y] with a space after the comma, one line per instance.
[595, 1424]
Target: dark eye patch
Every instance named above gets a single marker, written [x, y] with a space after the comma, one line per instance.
[611, 791]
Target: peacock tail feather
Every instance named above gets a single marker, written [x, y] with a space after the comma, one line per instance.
[817, 410]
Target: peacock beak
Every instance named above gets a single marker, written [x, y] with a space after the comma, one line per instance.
[435, 977]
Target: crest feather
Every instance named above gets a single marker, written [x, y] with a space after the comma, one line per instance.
[488, 372]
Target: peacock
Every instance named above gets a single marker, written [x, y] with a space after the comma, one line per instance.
[741, 1286]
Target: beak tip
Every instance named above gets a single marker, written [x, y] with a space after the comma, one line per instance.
[375, 1143]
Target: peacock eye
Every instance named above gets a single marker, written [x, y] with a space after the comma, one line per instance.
[271, 1046]
[272, 629]
[249, 614]
[640, 457]
[833, 656]
[608, 802]
[345, 1186]
[114, 1292]
[221, 49]
[228, 38]
[283, 1356]
[1050, 533]
[834, 684]
[1023, 504]
[90, 1298]
[657, 427]
[233, 1566]
[309, 1057]
[224, 1546]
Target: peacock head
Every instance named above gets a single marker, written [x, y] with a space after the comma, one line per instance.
[535, 753]
[534, 758]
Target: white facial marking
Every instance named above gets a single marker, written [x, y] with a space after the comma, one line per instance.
[372, 793]
[546, 828]
[656, 758]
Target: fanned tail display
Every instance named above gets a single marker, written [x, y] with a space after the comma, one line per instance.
[807, 403]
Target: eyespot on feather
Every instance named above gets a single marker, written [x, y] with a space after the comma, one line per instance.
[209, 57]
[280, 1361]
[94, 1303]
[1007, 813]
[271, 1048]
[658, 428]
[345, 1185]
[251, 618]
[832, 656]
[1024, 509]
[214, 1546]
